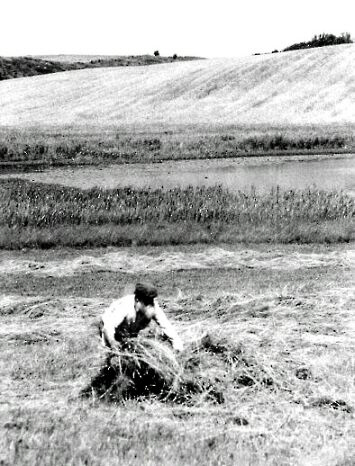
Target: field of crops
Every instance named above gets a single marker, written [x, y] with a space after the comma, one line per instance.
[39, 208]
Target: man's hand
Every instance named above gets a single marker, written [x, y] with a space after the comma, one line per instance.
[178, 346]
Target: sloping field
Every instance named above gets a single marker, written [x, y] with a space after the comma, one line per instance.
[304, 87]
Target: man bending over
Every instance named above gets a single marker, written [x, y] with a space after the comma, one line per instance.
[127, 316]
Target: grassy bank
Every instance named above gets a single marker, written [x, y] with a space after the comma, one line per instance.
[18, 148]
[40, 215]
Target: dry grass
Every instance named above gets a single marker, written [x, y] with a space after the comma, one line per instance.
[173, 259]
[147, 367]
[267, 377]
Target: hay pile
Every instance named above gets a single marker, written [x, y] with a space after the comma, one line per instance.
[205, 371]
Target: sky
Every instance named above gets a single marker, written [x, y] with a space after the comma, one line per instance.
[206, 28]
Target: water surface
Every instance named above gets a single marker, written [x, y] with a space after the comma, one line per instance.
[329, 173]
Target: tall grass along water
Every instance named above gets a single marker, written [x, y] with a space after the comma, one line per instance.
[213, 210]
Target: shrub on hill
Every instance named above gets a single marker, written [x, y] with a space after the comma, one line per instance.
[26, 66]
[322, 40]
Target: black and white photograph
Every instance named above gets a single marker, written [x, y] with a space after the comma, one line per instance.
[177, 233]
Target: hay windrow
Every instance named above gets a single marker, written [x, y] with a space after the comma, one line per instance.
[147, 367]
[209, 257]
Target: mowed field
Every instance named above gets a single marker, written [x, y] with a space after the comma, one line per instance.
[303, 87]
[287, 398]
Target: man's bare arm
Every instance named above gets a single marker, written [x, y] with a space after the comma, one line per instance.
[167, 328]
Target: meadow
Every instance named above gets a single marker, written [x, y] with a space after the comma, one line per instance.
[41, 215]
[269, 338]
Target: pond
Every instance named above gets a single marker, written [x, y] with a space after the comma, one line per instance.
[291, 172]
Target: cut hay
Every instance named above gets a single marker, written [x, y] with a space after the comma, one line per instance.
[147, 367]
[206, 258]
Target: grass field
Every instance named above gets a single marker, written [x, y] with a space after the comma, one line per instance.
[288, 396]
[308, 87]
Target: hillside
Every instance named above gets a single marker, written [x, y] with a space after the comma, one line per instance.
[303, 87]
[64, 58]
[18, 67]
[25, 66]
[120, 60]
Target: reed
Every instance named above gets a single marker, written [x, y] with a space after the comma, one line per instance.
[155, 216]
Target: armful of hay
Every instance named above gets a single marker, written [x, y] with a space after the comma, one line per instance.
[167, 328]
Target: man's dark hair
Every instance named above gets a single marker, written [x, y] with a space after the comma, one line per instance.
[145, 293]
